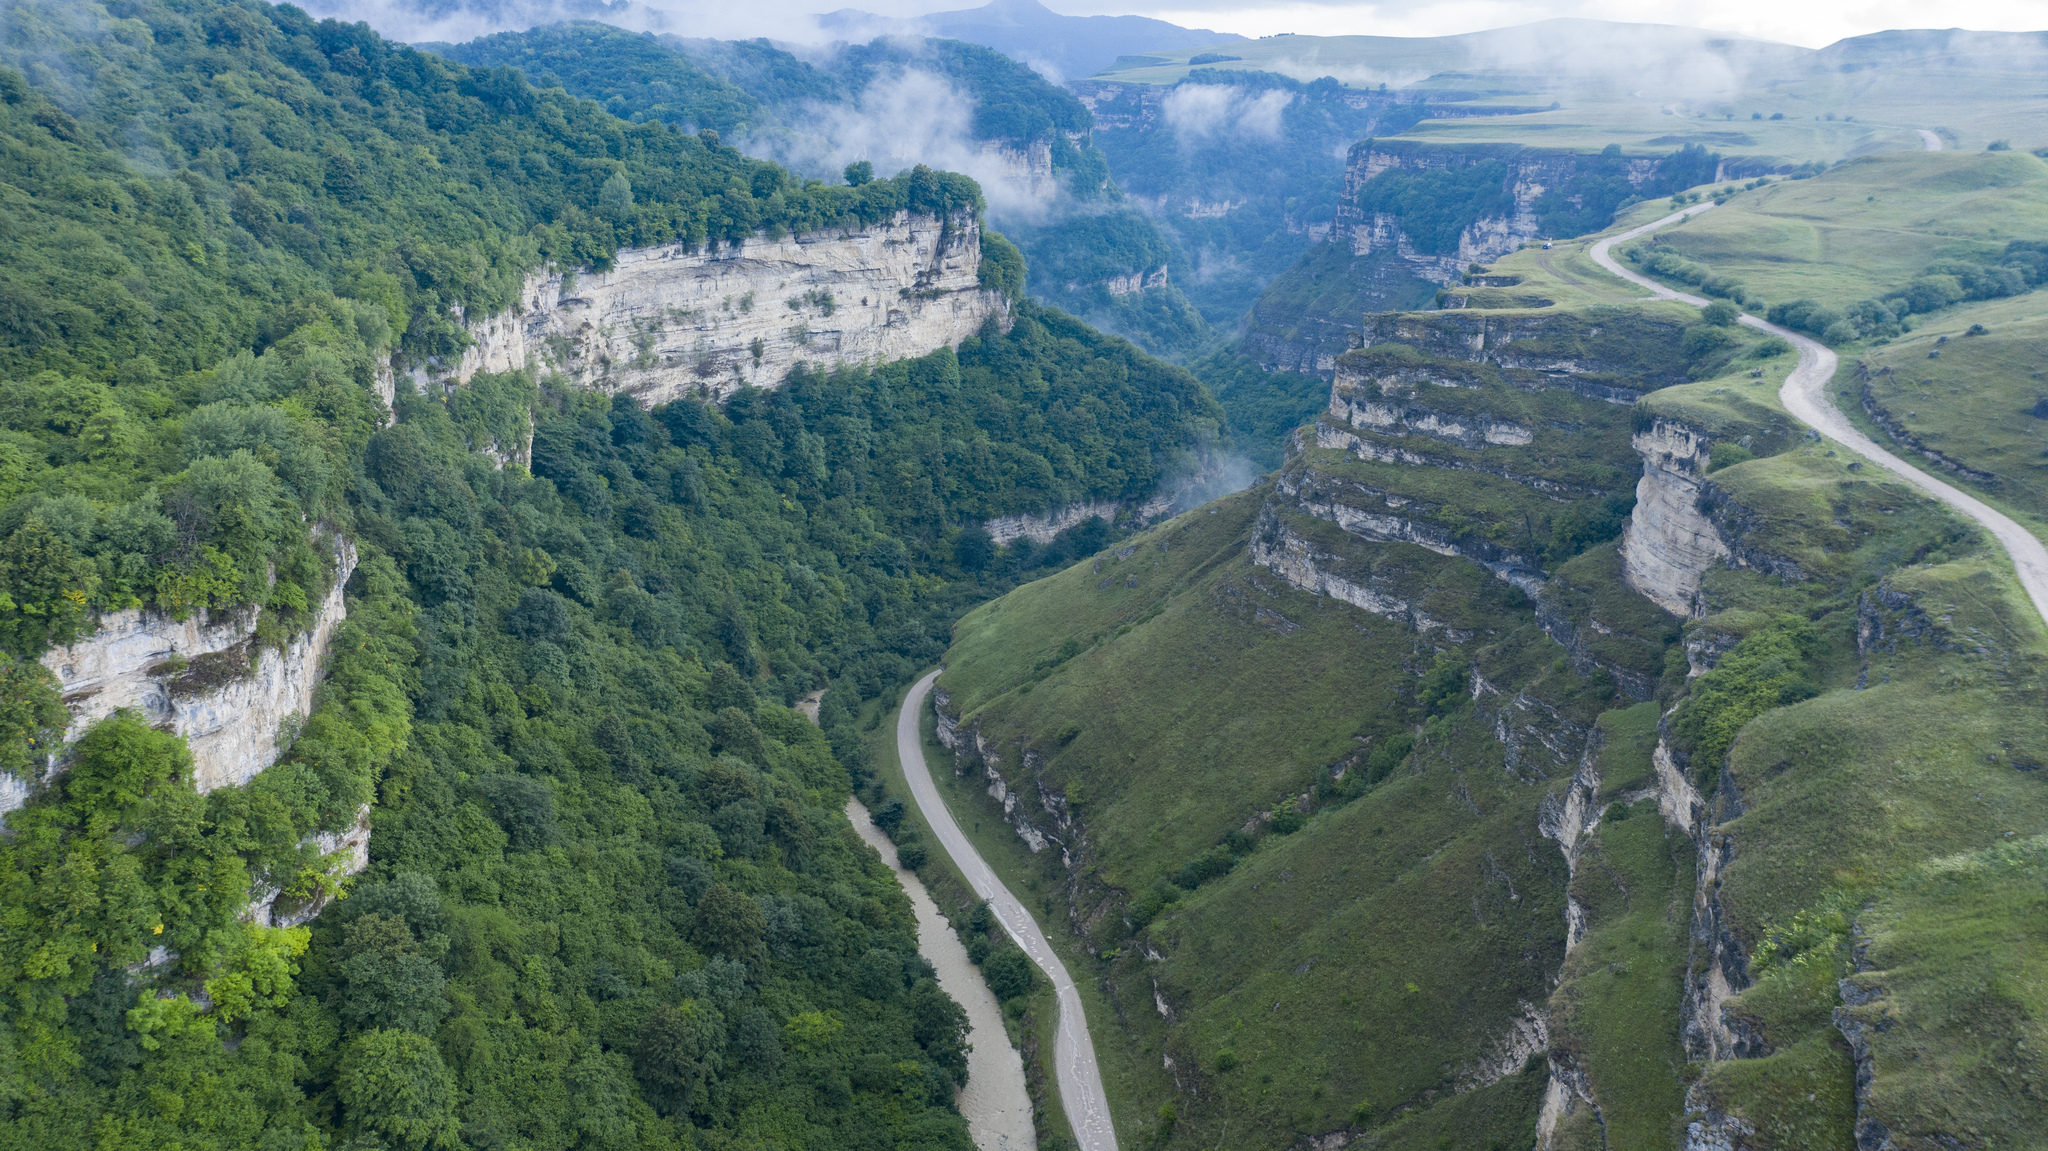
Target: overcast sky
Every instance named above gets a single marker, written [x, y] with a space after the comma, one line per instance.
[1796, 22]
[1805, 22]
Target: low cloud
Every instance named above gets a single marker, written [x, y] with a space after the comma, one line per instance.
[915, 117]
[1204, 110]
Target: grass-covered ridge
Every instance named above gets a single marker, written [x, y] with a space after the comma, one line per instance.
[1857, 704]
[1869, 227]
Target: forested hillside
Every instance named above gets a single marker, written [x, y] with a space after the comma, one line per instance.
[610, 898]
[1090, 251]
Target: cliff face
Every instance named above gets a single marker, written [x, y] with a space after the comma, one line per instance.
[206, 681]
[1670, 542]
[1381, 261]
[1495, 439]
[1025, 165]
[1529, 173]
[668, 322]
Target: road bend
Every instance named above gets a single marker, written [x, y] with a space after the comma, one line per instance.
[1080, 1080]
[1805, 396]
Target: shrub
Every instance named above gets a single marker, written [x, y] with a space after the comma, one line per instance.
[1720, 313]
[1009, 973]
[1726, 455]
[1211, 864]
[911, 854]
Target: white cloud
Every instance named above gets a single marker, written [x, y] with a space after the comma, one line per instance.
[899, 121]
[1210, 109]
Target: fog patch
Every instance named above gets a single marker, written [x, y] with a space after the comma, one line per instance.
[1211, 478]
[1200, 111]
[915, 117]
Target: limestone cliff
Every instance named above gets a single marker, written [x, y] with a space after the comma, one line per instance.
[1670, 541]
[1509, 221]
[206, 680]
[671, 321]
[1490, 200]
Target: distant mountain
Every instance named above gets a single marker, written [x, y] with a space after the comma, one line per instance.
[1938, 48]
[1073, 45]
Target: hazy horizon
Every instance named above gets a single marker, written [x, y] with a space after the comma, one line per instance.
[795, 20]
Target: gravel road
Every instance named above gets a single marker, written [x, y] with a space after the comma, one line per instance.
[1080, 1080]
[1805, 396]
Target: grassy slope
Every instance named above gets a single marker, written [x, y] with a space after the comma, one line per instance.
[1842, 794]
[1318, 901]
[1869, 225]
[1429, 911]
[1914, 770]
[1977, 403]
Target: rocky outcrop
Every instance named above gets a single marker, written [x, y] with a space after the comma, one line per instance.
[1616, 359]
[1398, 417]
[1296, 559]
[1866, 1009]
[205, 680]
[1041, 527]
[1388, 517]
[673, 321]
[1131, 283]
[1204, 476]
[1528, 174]
[1570, 820]
[1670, 542]
[1024, 165]
[1054, 828]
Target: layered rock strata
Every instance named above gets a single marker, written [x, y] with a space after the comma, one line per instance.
[672, 321]
[1670, 541]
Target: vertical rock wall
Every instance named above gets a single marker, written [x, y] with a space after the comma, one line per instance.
[1670, 542]
[1530, 173]
[667, 322]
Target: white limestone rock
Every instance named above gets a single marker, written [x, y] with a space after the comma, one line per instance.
[1670, 543]
[133, 660]
[667, 322]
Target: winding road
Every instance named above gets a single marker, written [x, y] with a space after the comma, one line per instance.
[1805, 396]
[1929, 140]
[1080, 1080]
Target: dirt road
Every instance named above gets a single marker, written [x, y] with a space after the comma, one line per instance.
[1805, 396]
[1080, 1080]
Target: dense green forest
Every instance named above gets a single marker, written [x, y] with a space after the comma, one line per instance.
[611, 900]
[1086, 234]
